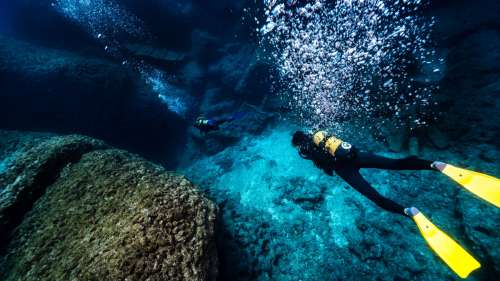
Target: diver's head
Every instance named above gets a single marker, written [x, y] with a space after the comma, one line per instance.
[299, 138]
[199, 122]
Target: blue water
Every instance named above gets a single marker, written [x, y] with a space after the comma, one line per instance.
[3, 166]
[396, 78]
[285, 218]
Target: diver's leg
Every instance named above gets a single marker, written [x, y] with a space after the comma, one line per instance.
[356, 180]
[221, 120]
[370, 160]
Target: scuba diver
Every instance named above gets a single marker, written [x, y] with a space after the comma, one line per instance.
[334, 155]
[206, 125]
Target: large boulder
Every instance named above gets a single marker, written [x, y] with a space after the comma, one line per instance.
[31, 170]
[107, 215]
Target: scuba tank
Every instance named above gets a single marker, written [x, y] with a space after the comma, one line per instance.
[336, 147]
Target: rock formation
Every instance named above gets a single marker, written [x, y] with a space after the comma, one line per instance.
[76, 209]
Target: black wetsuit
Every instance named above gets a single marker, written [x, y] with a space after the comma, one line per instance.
[348, 169]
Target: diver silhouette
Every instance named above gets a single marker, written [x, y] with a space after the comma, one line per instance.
[206, 125]
[334, 155]
[346, 161]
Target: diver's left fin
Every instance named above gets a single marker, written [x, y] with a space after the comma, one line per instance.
[456, 257]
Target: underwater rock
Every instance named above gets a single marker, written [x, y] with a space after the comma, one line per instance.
[27, 176]
[437, 138]
[235, 65]
[240, 73]
[193, 74]
[155, 53]
[482, 227]
[156, 56]
[413, 146]
[15, 142]
[458, 19]
[474, 53]
[205, 45]
[70, 93]
[110, 215]
[467, 95]
[307, 196]
[396, 138]
[214, 103]
[40, 22]
[470, 89]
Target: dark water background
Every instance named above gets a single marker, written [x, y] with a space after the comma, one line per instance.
[280, 217]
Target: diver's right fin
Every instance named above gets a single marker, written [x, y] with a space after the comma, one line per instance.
[484, 186]
[461, 262]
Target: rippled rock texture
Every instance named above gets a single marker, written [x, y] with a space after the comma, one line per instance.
[100, 214]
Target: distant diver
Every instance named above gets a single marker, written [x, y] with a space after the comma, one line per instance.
[332, 154]
[206, 125]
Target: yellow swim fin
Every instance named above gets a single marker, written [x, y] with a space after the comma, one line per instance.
[461, 262]
[484, 186]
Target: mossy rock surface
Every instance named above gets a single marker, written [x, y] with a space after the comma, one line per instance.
[34, 161]
[113, 216]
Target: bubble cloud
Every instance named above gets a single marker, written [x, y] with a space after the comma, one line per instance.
[105, 20]
[172, 97]
[111, 25]
[345, 58]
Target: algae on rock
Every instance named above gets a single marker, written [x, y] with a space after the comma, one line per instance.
[113, 216]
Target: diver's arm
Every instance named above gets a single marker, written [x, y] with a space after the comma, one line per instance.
[221, 120]
[356, 180]
[306, 151]
[304, 156]
[328, 172]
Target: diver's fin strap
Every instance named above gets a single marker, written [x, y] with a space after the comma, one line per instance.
[484, 186]
[456, 257]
